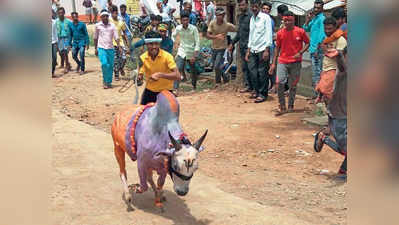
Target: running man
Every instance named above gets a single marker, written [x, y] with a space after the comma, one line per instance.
[157, 67]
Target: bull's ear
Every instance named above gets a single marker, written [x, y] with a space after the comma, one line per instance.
[198, 143]
[175, 144]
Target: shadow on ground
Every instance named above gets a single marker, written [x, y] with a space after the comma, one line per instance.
[175, 208]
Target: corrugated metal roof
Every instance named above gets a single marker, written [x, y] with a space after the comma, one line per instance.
[300, 7]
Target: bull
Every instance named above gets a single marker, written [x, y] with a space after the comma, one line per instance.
[152, 136]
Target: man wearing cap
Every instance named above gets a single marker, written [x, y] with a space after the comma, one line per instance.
[104, 34]
[260, 40]
[157, 67]
[217, 31]
[188, 48]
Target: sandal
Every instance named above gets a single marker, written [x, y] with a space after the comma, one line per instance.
[280, 111]
[253, 96]
[259, 100]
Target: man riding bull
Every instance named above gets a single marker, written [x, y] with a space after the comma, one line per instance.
[158, 67]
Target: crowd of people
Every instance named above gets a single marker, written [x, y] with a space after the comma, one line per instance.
[271, 56]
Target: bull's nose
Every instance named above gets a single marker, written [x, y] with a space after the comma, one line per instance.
[181, 193]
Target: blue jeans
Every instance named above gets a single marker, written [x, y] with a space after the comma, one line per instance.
[106, 57]
[217, 58]
[317, 66]
[81, 51]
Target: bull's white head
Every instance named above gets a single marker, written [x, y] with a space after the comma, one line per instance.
[183, 163]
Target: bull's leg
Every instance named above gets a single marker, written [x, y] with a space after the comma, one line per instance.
[120, 157]
[161, 182]
[157, 192]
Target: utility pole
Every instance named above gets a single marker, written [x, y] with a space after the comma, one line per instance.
[73, 6]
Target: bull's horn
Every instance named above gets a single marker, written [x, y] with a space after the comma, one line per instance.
[175, 144]
[198, 143]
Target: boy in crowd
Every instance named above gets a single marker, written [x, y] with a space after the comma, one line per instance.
[104, 35]
[120, 56]
[188, 48]
[80, 42]
[289, 50]
[64, 38]
[217, 32]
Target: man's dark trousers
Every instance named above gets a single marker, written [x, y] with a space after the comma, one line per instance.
[259, 71]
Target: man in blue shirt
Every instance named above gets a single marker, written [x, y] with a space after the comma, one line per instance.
[80, 41]
[126, 19]
[188, 7]
[314, 25]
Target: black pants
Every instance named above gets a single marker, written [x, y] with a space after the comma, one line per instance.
[149, 96]
[258, 69]
[54, 57]
[245, 70]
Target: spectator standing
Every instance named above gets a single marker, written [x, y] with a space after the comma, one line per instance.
[80, 42]
[188, 7]
[126, 18]
[242, 38]
[104, 34]
[281, 9]
[168, 10]
[158, 67]
[95, 11]
[54, 40]
[289, 50]
[266, 8]
[217, 32]
[210, 12]
[258, 53]
[166, 43]
[314, 25]
[123, 46]
[64, 38]
[340, 16]
[155, 20]
[88, 5]
[188, 48]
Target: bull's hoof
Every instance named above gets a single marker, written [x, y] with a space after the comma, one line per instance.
[159, 205]
[128, 197]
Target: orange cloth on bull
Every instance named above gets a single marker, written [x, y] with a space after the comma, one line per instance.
[335, 36]
[326, 83]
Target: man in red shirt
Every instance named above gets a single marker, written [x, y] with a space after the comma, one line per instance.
[289, 50]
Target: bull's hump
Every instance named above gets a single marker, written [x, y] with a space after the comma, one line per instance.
[170, 98]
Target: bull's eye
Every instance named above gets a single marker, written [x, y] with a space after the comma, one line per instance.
[175, 166]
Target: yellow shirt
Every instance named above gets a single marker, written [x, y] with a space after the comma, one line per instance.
[329, 63]
[163, 63]
[120, 28]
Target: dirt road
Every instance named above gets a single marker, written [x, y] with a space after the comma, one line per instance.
[258, 167]
[87, 188]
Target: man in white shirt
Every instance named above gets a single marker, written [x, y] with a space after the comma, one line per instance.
[54, 41]
[188, 48]
[259, 43]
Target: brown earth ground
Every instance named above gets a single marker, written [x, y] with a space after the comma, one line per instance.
[252, 153]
